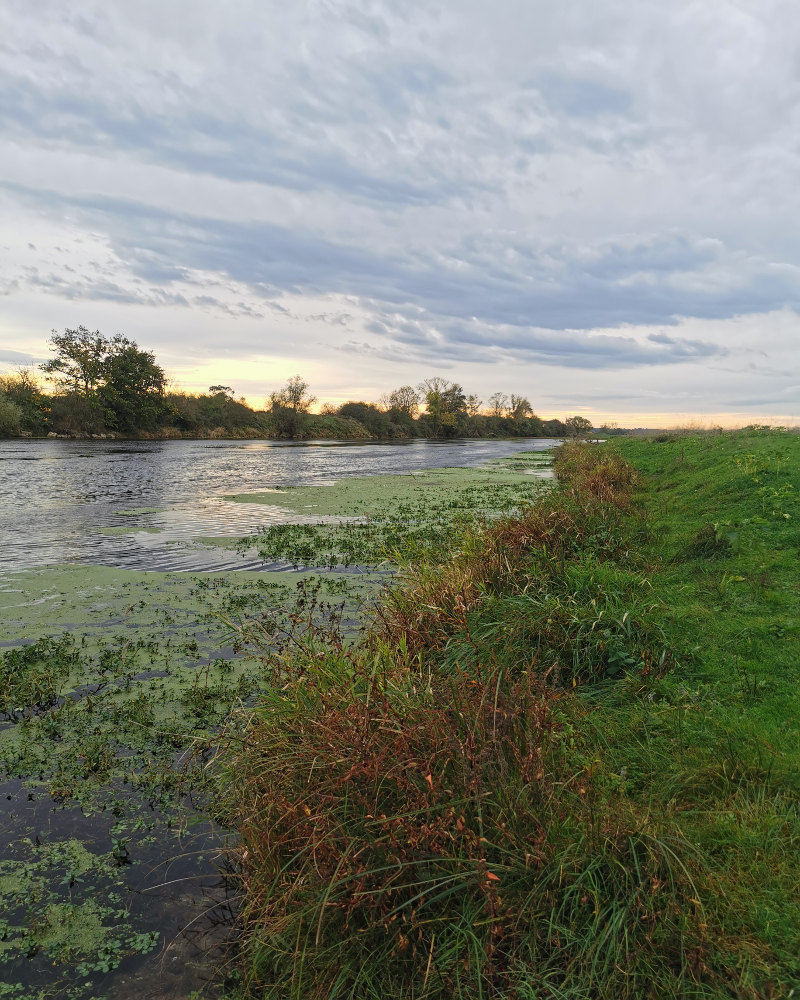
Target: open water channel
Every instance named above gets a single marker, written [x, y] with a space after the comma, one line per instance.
[65, 501]
[85, 839]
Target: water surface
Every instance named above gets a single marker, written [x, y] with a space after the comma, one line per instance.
[58, 498]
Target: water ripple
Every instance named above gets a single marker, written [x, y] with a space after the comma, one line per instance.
[64, 501]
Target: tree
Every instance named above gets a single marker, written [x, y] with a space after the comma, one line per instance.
[376, 421]
[78, 364]
[10, 417]
[498, 402]
[404, 400]
[294, 395]
[577, 426]
[445, 402]
[133, 390]
[224, 390]
[24, 391]
[473, 405]
[519, 407]
[111, 381]
[289, 406]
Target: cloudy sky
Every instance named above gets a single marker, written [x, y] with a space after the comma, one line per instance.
[592, 204]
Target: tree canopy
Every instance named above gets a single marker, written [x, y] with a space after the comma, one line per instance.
[289, 406]
[404, 400]
[116, 383]
[578, 426]
[445, 402]
[79, 361]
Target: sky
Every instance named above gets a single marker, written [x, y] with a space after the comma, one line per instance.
[594, 205]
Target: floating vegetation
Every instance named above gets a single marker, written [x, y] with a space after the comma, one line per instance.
[114, 686]
[138, 511]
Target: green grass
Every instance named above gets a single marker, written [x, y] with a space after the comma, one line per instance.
[715, 745]
[562, 764]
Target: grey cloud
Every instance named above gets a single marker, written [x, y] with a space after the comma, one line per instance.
[16, 357]
[435, 297]
[572, 349]
[397, 85]
[333, 319]
[395, 354]
[582, 97]
[765, 403]
[226, 147]
[685, 347]
[231, 309]
[102, 290]
[787, 396]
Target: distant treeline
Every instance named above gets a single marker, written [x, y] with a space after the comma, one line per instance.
[110, 387]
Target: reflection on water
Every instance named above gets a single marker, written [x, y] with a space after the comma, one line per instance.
[57, 497]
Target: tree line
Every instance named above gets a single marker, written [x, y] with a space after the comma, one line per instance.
[109, 385]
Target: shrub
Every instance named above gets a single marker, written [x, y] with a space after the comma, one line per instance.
[10, 417]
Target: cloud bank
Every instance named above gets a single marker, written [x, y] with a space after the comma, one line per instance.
[594, 206]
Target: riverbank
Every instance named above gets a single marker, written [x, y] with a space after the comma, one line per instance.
[562, 763]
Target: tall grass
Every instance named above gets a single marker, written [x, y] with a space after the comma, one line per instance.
[500, 791]
[417, 813]
[422, 835]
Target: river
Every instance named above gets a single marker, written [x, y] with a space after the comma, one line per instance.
[109, 868]
[63, 502]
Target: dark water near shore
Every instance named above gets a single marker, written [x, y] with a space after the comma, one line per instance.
[56, 497]
[177, 885]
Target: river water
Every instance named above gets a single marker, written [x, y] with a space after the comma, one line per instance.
[58, 498]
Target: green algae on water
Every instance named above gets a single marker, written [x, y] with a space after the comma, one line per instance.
[365, 495]
[117, 683]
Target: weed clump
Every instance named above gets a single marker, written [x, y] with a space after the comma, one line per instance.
[419, 835]
[708, 543]
[33, 678]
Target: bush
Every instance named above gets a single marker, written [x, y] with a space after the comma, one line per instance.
[10, 417]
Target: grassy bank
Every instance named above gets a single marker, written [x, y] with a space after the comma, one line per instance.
[562, 764]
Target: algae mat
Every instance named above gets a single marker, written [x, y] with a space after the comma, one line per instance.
[486, 487]
[113, 685]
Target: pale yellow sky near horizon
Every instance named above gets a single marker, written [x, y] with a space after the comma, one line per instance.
[198, 380]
